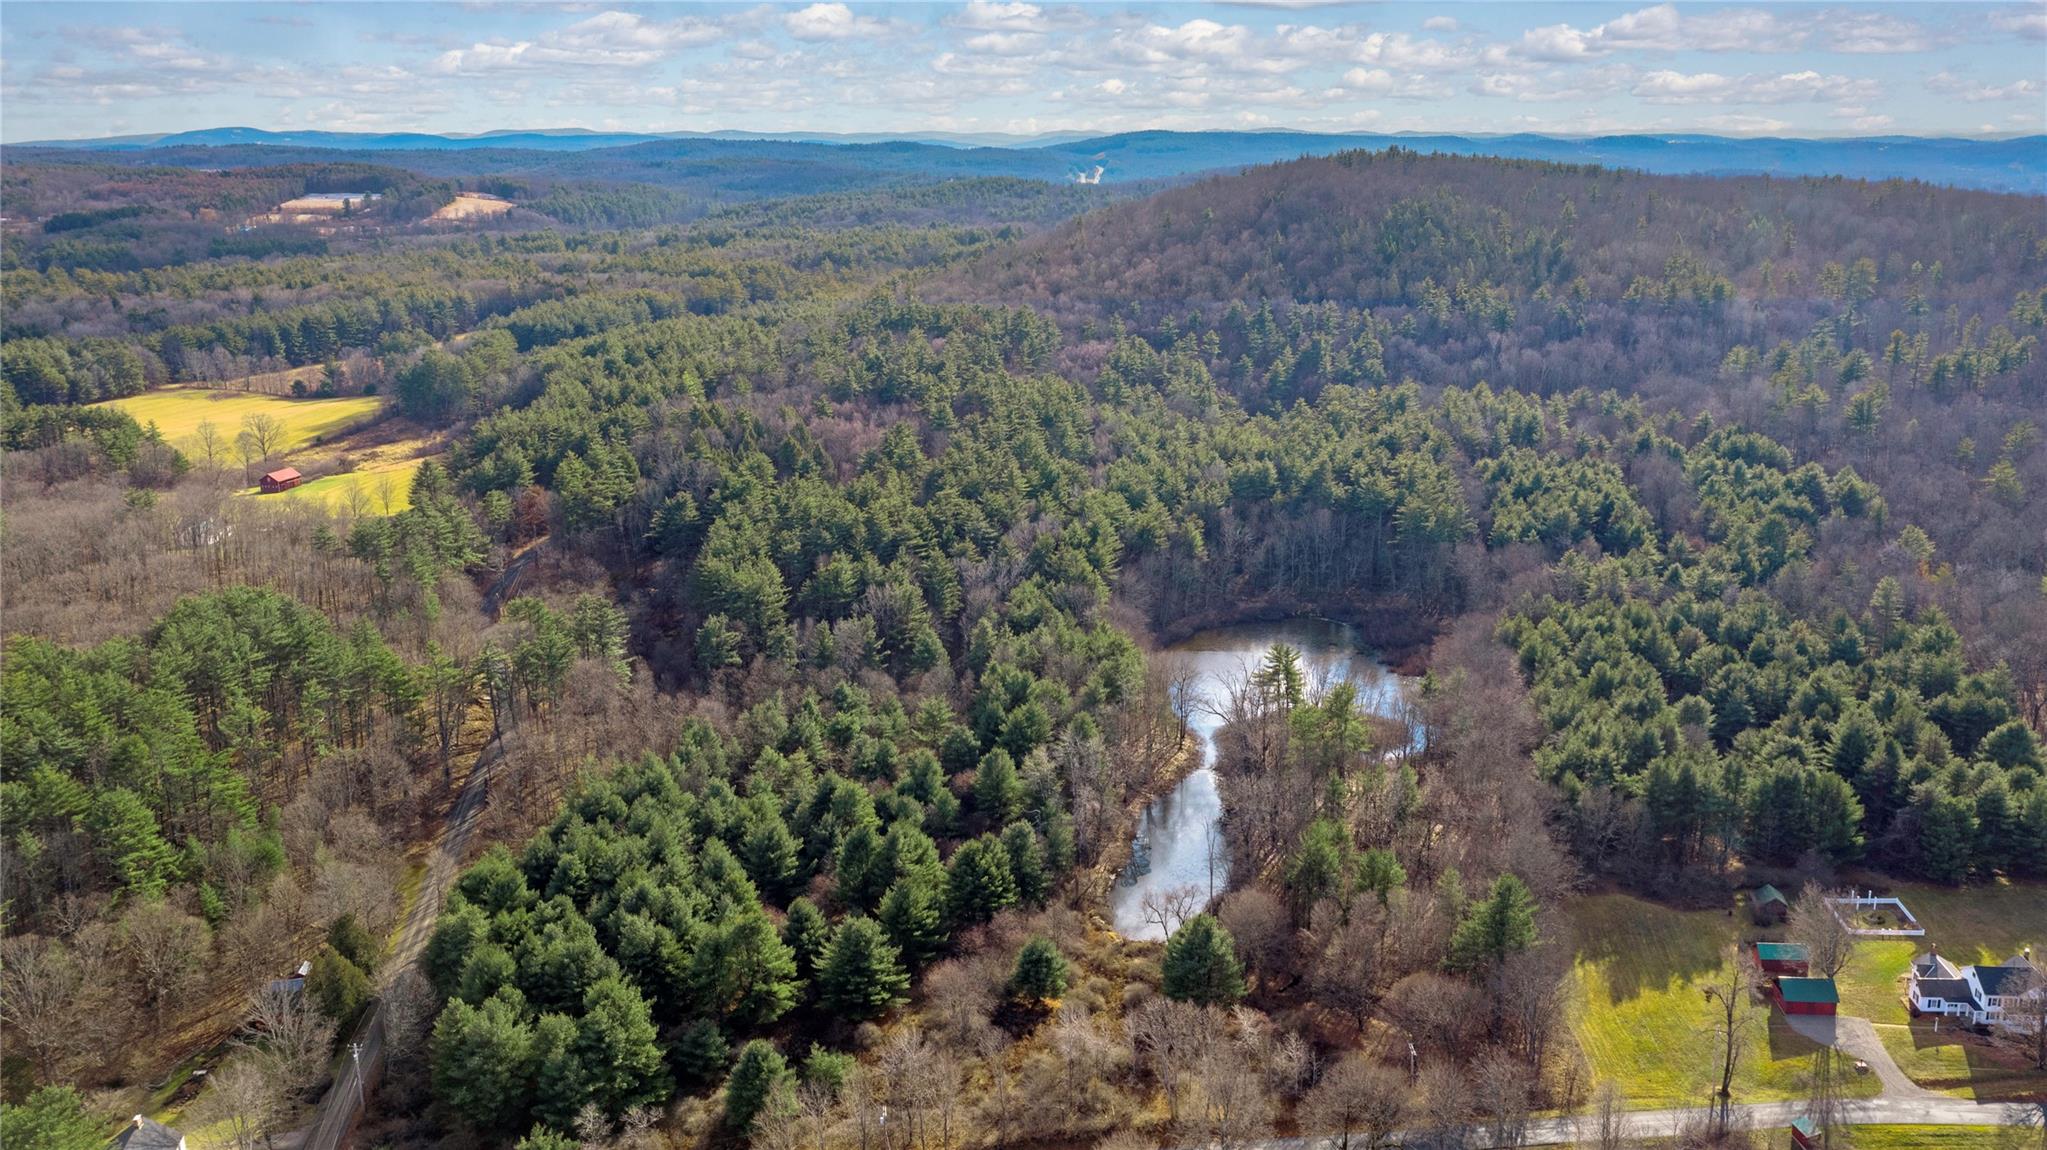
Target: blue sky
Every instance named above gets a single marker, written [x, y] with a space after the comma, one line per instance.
[1813, 69]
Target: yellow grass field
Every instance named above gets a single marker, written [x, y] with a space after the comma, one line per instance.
[177, 412]
[1641, 1018]
[378, 489]
[468, 205]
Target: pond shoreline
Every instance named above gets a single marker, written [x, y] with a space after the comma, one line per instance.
[1392, 627]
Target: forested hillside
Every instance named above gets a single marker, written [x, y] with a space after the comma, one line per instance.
[780, 604]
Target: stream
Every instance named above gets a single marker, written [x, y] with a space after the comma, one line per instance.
[1178, 842]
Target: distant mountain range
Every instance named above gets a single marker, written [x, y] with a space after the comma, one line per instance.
[2010, 165]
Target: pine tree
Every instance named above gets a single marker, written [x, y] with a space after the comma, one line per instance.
[979, 882]
[1201, 964]
[1026, 863]
[806, 933]
[913, 915]
[1501, 924]
[755, 1076]
[861, 976]
[1040, 971]
[619, 1048]
[480, 1060]
[998, 794]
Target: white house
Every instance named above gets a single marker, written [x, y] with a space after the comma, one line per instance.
[1980, 994]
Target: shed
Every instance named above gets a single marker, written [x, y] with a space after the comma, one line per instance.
[1782, 958]
[147, 1134]
[1768, 905]
[282, 479]
[1805, 1133]
[1807, 995]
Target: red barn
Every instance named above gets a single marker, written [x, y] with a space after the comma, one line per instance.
[1805, 1133]
[1782, 958]
[282, 479]
[1807, 995]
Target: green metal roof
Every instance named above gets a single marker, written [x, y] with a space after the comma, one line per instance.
[1805, 1126]
[1782, 952]
[1808, 990]
[1768, 893]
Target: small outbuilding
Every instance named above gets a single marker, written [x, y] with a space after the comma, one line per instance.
[1782, 958]
[1768, 906]
[282, 479]
[1807, 995]
[1805, 1133]
[147, 1134]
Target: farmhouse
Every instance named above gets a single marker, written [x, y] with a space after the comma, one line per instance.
[1981, 994]
[1806, 995]
[282, 479]
[1768, 905]
[1782, 958]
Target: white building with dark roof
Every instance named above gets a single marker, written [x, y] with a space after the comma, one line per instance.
[1980, 994]
[147, 1134]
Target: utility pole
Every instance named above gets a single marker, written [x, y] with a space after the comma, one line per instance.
[355, 1067]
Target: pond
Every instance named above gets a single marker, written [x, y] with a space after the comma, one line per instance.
[1178, 844]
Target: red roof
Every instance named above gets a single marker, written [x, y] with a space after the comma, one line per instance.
[282, 474]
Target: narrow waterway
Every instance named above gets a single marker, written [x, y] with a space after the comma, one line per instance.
[1178, 844]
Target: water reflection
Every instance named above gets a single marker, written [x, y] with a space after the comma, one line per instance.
[1178, 850]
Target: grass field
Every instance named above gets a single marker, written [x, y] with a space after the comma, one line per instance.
[177, 412]
[1642, 1020]
[377, 489]
[1926, 1137]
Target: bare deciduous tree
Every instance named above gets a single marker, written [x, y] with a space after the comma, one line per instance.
[1812, 924]
[1359, 1099]
[1737, 1009]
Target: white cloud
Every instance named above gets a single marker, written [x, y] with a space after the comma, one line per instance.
[1440, 24]
[607, 40]
[831, 21]
[2028, 23]
[1672, 87]
[1663, 29]
[992, 16]
[1976, 92]
[1740, 125]
[1874, 32]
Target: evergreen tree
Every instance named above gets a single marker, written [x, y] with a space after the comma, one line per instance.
[806, 933]
[979, 883]
[913, 916]
[619, 1048]
[1201, 964]
[998, 793]
[1501, 924]
[861, 976]
[1026, 863]
[1040, 971]
[480, 1057]
[352, 941]
[755, 1076]
[339, 986]
[52, 1118]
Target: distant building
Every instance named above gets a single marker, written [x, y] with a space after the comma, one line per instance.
[1768, 905]
[282, 479]
[147, 1134]
[1807, 995]
[1981, 994]
[295, 981]
[1782, 958]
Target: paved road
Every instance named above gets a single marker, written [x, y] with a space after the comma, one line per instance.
[1941, 1111]
[342, 1107]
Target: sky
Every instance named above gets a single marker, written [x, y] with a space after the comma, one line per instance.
[78, 69]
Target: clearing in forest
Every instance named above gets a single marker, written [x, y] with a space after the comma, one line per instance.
[472, 205]
[1642, 1020]
[177, 412]
[376, 489]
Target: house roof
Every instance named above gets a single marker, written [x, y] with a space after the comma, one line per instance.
[1808, 990]
[1806, 1126]
[1767, 893]
[1782, 952]
[1996, 978]
[1934, 966]
[1947, 989]
[148, 1134]
[282, 474]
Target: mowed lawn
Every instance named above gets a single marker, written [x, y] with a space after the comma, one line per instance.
[177, 412]
[1976, 924]
[1642, 1020]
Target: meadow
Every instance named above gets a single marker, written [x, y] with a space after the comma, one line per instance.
[377, 489]
[1642, 1019]
[178, 412]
